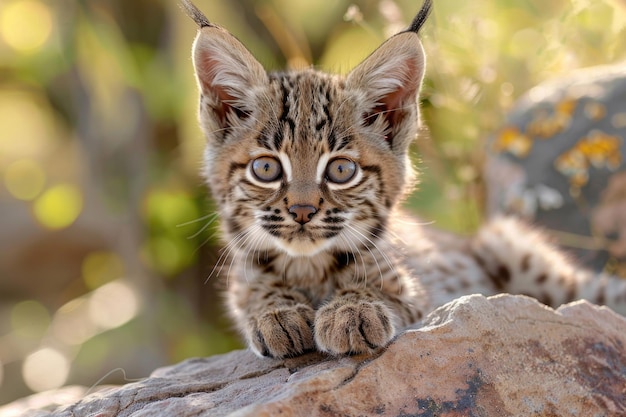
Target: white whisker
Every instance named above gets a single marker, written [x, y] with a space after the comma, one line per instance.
[388, 260]
[355, 250]
[358, 234]
[211, 216]
[252, 247]
[385, 257]
[205, 241]
[250, 234]
[225, 252]
[203, 228]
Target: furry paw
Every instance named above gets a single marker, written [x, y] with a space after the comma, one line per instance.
[282, 332]
[351, 327]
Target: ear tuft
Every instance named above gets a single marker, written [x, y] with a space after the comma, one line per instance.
[421, 17]
[195, 13]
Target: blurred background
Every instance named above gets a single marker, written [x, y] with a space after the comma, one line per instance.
[106, 239]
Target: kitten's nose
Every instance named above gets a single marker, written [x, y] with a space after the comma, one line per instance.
[302, 213]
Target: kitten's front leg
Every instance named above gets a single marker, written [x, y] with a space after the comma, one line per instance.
[354, 321]
[275, 320]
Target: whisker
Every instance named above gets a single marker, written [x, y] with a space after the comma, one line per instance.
[383, 253]
[224, 129]
[392, 233]
[405, 220]
[202, 229]
[355, 250]
[258, 238]
[249, 235]
[357, 233]
[207, 240]
[225, 252]
[214, 215]
[284, 268]
[386, 258]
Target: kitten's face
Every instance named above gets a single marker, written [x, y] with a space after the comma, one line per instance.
[304, 161]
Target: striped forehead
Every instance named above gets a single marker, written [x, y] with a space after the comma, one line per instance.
[302, 116]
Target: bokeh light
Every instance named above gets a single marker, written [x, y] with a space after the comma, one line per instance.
[113, 304]
[101, 267]
[59, 206]
[28, 130]
[45, 369]
[165, 254]
[25, 25]
[170, 249]
[169, 209]
[25, 179]
[71, 323]
[30, 319]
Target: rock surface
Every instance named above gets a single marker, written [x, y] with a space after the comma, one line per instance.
[563, 143]
[477, 356]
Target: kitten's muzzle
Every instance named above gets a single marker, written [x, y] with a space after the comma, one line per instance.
[302, 213]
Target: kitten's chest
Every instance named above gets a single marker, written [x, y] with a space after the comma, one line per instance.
[315, 276]
[312, 275]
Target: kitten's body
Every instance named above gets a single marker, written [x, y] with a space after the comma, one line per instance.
[308, 170]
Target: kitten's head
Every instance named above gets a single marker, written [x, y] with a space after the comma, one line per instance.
[306, 161]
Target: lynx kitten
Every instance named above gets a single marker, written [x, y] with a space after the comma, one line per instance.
[308, 170]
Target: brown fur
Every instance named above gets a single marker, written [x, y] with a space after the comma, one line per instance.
[316, 262]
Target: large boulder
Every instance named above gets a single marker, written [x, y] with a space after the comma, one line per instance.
[476, 356]
[559, 162]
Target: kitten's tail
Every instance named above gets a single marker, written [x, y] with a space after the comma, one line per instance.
[520, 260]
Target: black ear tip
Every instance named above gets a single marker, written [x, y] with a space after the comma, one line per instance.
[195, 13]
[421, 17]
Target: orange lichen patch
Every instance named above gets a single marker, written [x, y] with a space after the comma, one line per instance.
[595, 110]
[513, 141]
[546, 125]
[566, 107]
[596, 149]
[602, 150]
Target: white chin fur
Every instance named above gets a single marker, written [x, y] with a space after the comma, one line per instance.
[304, 247]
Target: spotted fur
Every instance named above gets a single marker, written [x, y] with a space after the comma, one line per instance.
[308, 170]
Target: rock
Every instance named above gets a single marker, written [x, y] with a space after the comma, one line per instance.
[558, 161]
[476, 356]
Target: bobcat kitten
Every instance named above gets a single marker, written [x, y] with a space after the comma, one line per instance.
[308, 169]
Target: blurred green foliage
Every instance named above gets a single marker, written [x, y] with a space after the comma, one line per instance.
[107, 237]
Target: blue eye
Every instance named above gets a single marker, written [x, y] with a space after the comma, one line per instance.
[340, 170]
[266, 169]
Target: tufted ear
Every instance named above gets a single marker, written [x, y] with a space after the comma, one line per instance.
[228, 76]
[388, 82]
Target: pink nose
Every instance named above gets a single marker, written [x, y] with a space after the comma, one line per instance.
[302, 213]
